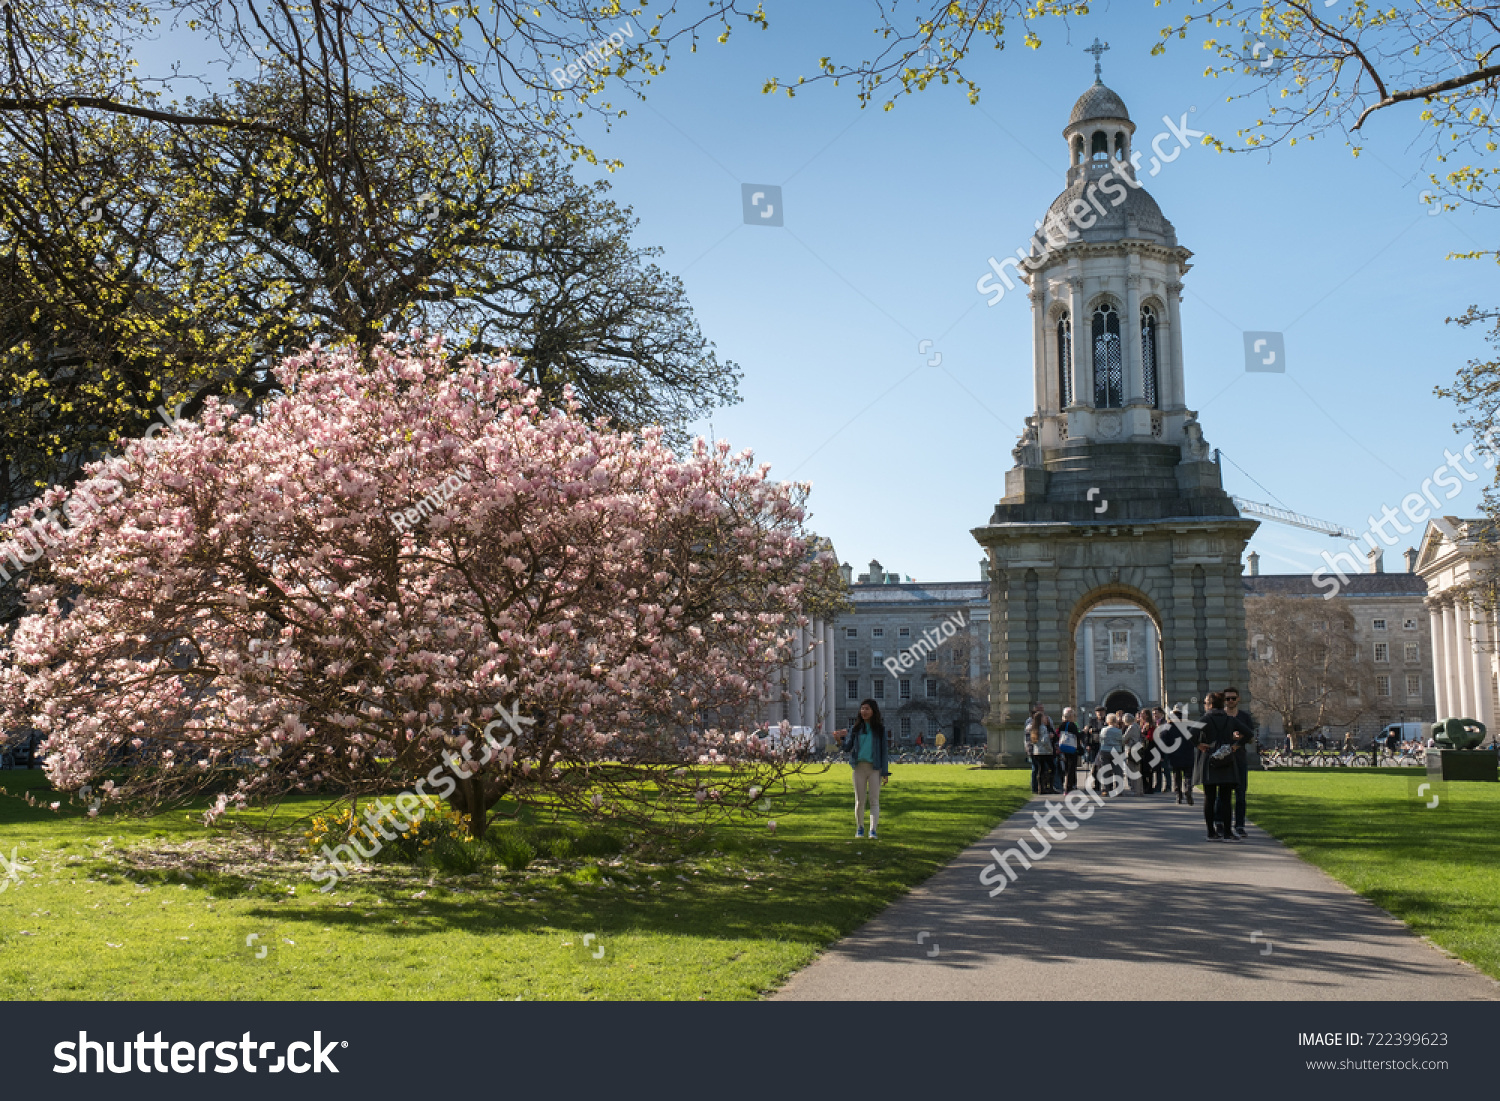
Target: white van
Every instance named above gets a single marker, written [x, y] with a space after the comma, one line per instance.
[1408, 732]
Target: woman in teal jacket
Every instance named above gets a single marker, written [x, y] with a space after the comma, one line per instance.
[865, 744]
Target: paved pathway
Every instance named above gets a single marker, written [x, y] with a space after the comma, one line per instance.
[1135, 905]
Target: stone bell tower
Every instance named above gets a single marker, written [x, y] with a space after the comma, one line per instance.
[1115, 494]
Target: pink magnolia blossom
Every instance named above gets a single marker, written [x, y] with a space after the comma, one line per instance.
[311, 598]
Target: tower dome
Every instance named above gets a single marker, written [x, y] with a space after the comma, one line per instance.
[1099, 102]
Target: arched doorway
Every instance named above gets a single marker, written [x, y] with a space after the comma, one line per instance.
[1117, 654]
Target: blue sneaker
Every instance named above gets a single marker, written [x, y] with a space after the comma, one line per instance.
[874, 836]
[859, 834]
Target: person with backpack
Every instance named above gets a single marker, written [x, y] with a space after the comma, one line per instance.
[1068, 747]
[865, 744]
[1111, 754]
[1178, 741]
[1220, 750]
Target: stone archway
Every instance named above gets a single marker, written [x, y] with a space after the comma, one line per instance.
[1122, 699]
[1185, 574]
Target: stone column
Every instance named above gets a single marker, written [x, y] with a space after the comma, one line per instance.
[1179, 646]
[1089, 687]
[1225, 638]
[1041, 372]
[1153, 680]
[1083, 359]
[798, 677]
[1483, 700]
[1465, 660]
[830, 679]
[1052, 658]
[815, 711]
[1452, 660]
[1130, 333]
[1173, 379]
[1439, 660]
[1008, 672]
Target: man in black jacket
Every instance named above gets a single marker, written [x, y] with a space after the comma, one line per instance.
[1247, 726]
[1220, 749]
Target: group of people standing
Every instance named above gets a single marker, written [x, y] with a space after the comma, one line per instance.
[1150, 752]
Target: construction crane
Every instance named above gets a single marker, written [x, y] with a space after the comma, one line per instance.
[1295, 519]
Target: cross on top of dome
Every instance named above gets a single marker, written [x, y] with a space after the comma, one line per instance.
[1097, 49]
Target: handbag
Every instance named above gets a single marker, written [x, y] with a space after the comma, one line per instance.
[1067, 740]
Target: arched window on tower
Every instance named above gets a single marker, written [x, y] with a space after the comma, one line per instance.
[1119, 145]
[1078, 149]
[1148, 357]
[1100, 148]
[1065, 360]
[1109, 366]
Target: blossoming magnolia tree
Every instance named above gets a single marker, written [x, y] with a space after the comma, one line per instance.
[341, 594]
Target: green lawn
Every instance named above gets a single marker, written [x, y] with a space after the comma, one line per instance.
[1438, 868]
[99, 912]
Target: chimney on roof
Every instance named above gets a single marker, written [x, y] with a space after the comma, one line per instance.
[848, 573]
[1410, 554]
[1253, 562]
[1377, 560]
[877, 575]
[984, 569]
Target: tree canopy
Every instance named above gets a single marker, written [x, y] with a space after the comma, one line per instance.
[340, 593]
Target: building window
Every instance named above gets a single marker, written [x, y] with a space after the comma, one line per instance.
[879, 693]
[877, 632]
[1377, 624]
[1383, 686]
[851, 689]
[851, 660]
[1413, 652]
[1109, 364]
[1148, 356]
[1382, 652]
[1414, 686]
[1065, 359]
[904, 632]
[877, 658]
[851, 632]
[931, 657]
[905, 688]
[1119, 646]
[960, 655]
[906, 726]
[931, 688]
[1409, 625]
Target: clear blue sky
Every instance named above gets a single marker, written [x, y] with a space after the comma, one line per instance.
[889, 220]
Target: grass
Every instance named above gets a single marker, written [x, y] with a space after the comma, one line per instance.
[163, 909]
[1437, 869]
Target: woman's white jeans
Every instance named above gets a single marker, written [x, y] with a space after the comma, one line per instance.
[866, 779]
